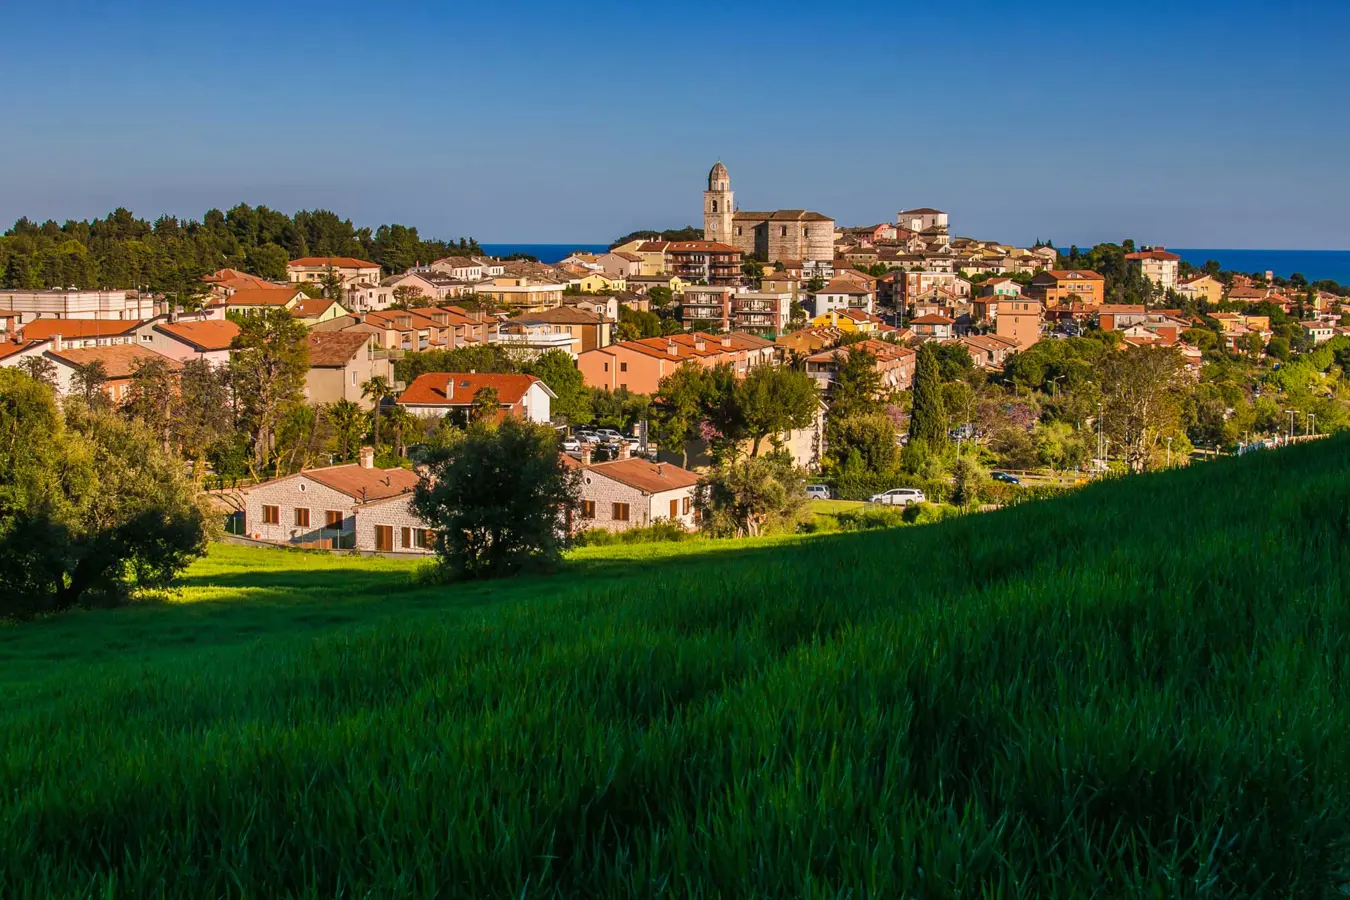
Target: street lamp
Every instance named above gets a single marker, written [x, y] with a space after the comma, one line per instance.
[1312, 423]
[1292, 413]
[1169, 453]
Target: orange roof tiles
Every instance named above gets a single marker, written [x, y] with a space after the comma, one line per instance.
[119, 361]
[364, 484]
[337, 262]
[334, 349]
[648, 477]
[263, 296]
[82, 329]
[212, 334]
[458, 388]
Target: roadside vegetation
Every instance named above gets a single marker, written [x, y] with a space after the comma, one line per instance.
[1135, 690]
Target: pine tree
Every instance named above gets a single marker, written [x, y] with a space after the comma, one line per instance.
[928, 419]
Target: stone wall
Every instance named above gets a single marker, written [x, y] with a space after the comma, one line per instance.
[395, 512]
[643, 509]
[288, 494]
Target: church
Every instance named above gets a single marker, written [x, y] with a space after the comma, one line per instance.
[795, 234]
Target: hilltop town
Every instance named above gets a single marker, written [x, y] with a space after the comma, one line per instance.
[1033, 347]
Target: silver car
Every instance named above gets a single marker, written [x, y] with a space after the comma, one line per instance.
[817, 492]
[898, 497]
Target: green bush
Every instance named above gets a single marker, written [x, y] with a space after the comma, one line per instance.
[871, 517]
[648, 534]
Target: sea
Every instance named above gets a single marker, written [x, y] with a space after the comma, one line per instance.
[546, 253]
[1314, 265]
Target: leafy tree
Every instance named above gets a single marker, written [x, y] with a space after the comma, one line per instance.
[815, 285]
[410, 296]
[182, 286]
[202, 417]
[969, 481]
[499, 498]
[928, 418]
[349, 427]
[474, 358]
[776, 399]
[635, 324]
[660, 298]
[268, 369]
[678, 404]
[39, 368]
[857, 384]
[90, 505]
[620, 408]
[953, 360]
[304, 431]
[863, 441]
[376, 389]
[1278, 348]
[405, 427]
[748, 495]
[1142, 391]
[332, 285]
[557, 370]
[88, 380]
[152, 397]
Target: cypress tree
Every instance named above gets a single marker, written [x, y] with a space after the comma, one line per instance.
[928, 419]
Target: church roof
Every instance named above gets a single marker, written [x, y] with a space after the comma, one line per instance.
[784, 215]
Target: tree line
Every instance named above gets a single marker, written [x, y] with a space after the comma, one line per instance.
[121, 251]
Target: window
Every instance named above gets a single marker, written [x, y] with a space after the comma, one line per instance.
[687, 504]
[302, 516]
[271, 515]
[782, 231]
[623, 367]
[333, 518]
[588, 509]
[424, 539]
[674, 508]
[606, 367]
[353, 378]
[620, 512]
[384, 538]
[407, 541]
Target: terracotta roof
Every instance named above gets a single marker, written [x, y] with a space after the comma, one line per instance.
[458, 262]
[561, 315]
[263, 296]
[624, 254]
[40, 329]
[701, 247]
[646, 476]
[921, 211]
[119, 361]
[932, 319]
[364, 484]
[653, 246]
[311, 307]
[458, 388]
[11, 347]
[334, 349]
[337, 262]
[1073, 274]
[213, 334]
[843, 286]
[1156, 253]
[1120, 309]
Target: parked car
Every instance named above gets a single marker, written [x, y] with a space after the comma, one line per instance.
[608, 435]
[898, 497]
[817, 492]
[1005, 478]
[571, 444]
[585, 436]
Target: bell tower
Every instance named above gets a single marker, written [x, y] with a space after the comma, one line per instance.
[718, 206]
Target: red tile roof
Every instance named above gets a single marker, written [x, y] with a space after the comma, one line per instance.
[364, 484]
[932, 319]
[334, 349]
[213, 334]
[263, 296]
[311, 307]
[458, 388]
[646, 476]
[119, 361]
[337, 262]
[11, 347]
[81, 329]
[1156, 253]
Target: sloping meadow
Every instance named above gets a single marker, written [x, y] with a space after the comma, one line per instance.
[1132, 691]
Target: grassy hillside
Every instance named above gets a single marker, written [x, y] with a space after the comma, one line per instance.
[1133, 691]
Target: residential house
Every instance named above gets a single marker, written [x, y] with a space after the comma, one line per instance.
[1000, 287]
[453, 393]
[185, 339]
[119, 361]
[522, 293]
[843, 293]
[989, 351]
[63, 304]
[922, 219]
[565, 328]
[641, 284]
[933, 327]
[810, 340]
[340, 362]
[412, 330]
[761, 312]
[350, 271]
[1201, 286]
[313, 310]
[355, 507]
[705, 262]
[1157, 265]
[253, 300]
[640, 365]
[706, 307]
[631, 493]
[894, 362]
[14, 349]
[620, 263]
[652, 255]
[1057, 286]
[81, 332]
[1119, 316]
[435, 285]
[606, 306]
[462, 268]
[1319, 332]
[1019, 320]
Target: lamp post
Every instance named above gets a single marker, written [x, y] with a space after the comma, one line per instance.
[1169, 453]
[1292, 413]
[1312, 423]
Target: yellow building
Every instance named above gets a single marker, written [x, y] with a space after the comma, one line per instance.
[1201, 287]
[596, 282]
[847, 321]
[312, 310]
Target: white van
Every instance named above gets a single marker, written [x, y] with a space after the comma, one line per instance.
[898, 497]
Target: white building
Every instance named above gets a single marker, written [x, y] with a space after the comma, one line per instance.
[453, 394]
[123, 305]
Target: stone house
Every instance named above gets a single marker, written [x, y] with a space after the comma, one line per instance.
[631, 493]
[349, 507]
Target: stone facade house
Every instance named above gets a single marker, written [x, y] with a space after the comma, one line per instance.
[349, 507]
[769, 236]
[632, 493]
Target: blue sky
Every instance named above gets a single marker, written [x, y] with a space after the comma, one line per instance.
[1204, 123]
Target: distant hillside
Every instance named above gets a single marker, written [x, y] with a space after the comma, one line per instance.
[687, 233]
[1135, 691]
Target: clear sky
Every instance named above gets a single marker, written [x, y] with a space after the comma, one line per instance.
[1198, 123]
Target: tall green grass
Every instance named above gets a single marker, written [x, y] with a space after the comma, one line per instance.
[1135, 691]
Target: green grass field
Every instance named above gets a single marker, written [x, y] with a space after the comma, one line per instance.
[1134, 691]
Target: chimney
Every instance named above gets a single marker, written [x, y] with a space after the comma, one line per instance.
[585, 454]
[56, 342]
[367, 457]
[624, 451]
[660, 470]
[670, 348]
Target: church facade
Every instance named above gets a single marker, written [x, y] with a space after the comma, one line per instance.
[787, 234]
